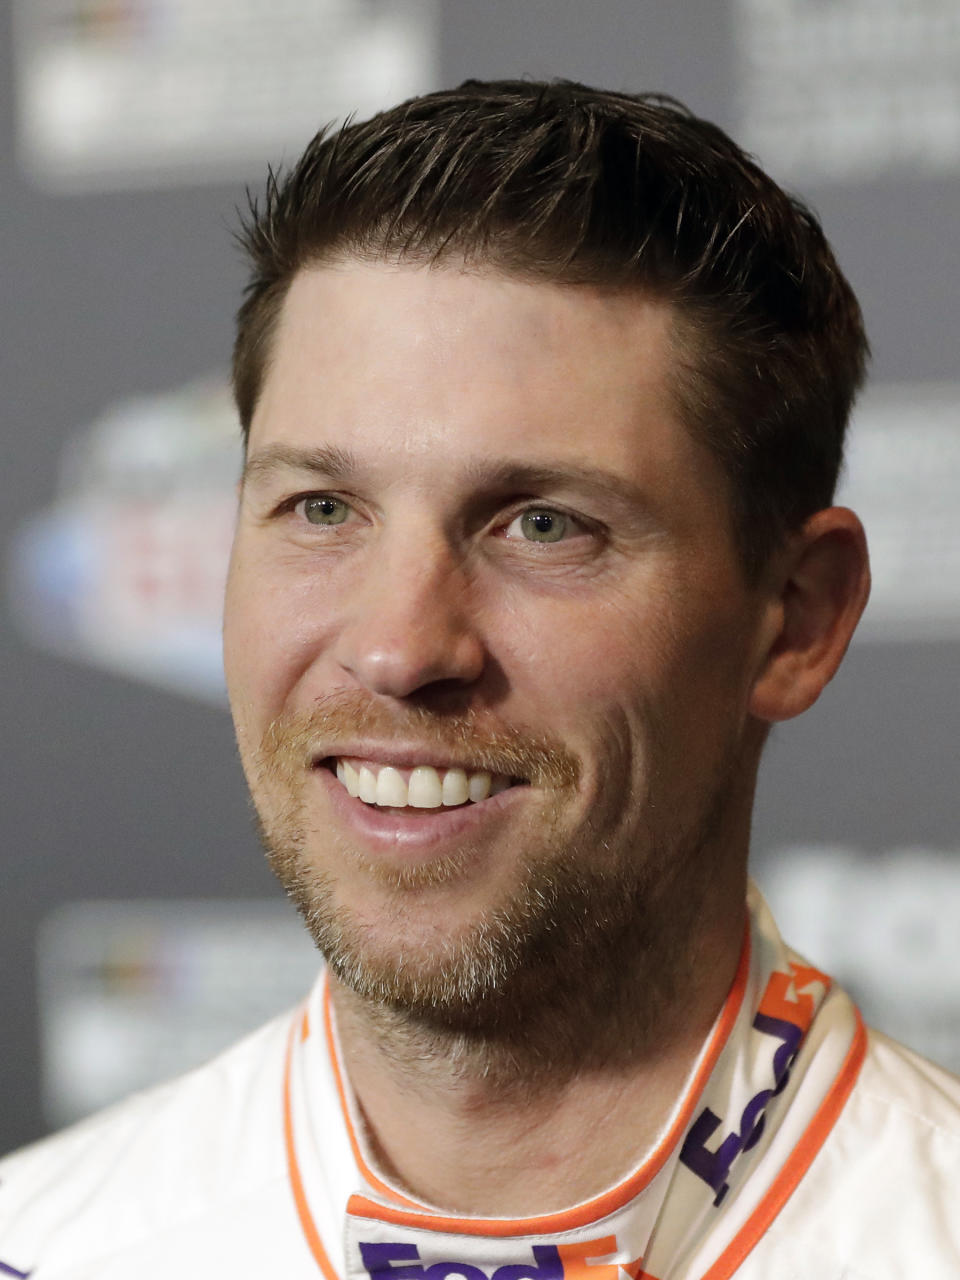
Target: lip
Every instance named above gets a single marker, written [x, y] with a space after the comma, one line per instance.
[428, 832]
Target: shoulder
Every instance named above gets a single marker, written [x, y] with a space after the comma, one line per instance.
[881, 1200]
[901, 1083]
[149, 1168]
[898, 1138]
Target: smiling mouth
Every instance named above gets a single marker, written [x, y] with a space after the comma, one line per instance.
[418, 787]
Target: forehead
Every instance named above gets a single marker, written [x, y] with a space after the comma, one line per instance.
[442, 363]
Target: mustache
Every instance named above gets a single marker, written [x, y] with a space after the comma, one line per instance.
[474, 739]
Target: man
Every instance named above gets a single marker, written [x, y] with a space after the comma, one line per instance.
[543, 392]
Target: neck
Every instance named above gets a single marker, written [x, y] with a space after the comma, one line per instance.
[596, 1071]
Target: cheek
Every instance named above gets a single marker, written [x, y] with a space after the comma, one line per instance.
[650, 673]
[272, 631]
[594, 675]
[600, 652]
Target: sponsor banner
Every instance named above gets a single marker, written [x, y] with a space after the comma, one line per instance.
[901, 476]
[884, 924]
[122, 93]
[126, 568]
[132, 993]
[847, 90]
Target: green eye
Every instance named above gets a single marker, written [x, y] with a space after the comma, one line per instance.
[325, 510]
[543, 525]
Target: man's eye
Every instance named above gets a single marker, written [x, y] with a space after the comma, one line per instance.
[323, 509]
[540, 524]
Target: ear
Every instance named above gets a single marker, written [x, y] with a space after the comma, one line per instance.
[821, 587]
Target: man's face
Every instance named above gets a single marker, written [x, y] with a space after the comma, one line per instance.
[474, 539]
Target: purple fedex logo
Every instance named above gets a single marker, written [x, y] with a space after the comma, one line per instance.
[397, 1260]
[785, 1013]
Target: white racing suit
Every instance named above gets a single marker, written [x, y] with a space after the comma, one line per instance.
[802, 1148]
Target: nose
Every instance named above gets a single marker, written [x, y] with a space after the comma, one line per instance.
[411, 624]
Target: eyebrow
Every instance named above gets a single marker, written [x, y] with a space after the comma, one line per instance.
[547, 475]
[332, 463]
[328, 461]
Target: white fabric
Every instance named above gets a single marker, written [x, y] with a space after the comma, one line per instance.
[253, 1166]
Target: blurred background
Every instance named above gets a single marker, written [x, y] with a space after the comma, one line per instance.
[139, 930]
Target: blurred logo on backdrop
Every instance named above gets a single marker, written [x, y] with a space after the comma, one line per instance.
[126, 568]
[847, 90]
[884, 924]
[132, 993]
[901, 476]
[124, 93]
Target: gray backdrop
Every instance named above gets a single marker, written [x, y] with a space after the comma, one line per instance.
[112, 789]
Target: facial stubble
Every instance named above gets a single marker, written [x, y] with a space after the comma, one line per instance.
[578, 962]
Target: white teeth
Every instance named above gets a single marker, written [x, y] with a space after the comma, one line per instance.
[428, 788]
[367, 788]
[424, 790]
[479, 786]
[391, 789]
[455, 788]
[350, 779]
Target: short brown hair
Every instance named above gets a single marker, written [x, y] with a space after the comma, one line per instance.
[577, 185]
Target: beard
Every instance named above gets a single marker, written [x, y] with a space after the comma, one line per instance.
[581, 957]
